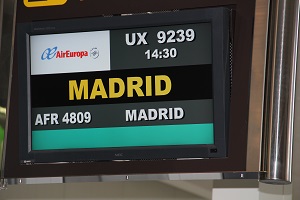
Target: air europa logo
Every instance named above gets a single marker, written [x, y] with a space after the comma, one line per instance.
[49, 54]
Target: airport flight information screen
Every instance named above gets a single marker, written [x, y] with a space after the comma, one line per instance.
[132, 87]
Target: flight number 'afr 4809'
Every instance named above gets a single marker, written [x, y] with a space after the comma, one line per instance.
[68, 118]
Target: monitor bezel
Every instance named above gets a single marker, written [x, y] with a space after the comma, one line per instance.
[218, 17]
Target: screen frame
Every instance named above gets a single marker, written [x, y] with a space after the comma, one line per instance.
[218, 17]
[236, 160]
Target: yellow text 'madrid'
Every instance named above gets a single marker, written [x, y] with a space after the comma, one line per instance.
[116, 87]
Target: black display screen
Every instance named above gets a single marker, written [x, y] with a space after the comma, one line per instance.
[153, 86]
